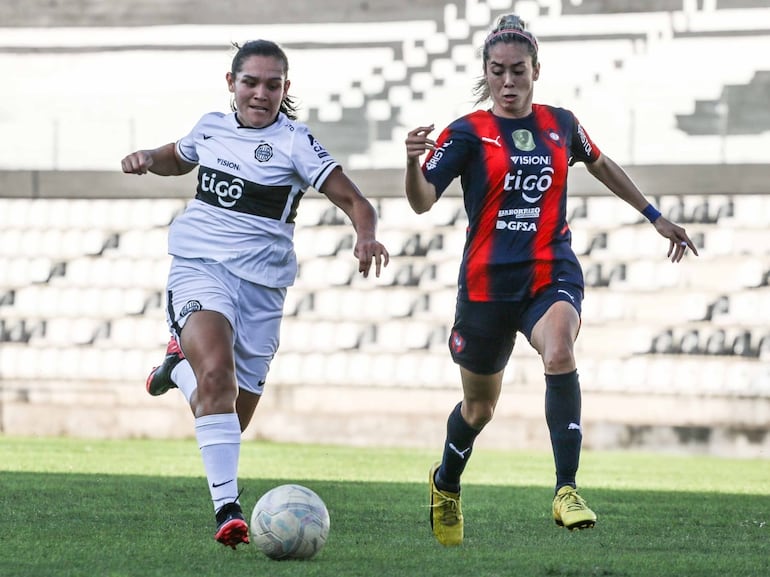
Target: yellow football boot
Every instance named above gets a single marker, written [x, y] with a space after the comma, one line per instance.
[570, 510]
[446, 515]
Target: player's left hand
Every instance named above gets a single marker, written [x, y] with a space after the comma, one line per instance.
[677, 237]
[367, 251]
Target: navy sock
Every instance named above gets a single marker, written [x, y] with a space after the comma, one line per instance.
[458, 447]
[562, 413]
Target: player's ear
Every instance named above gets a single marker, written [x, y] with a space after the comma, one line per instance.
[536, 72]
[230, 81]
[286, 85]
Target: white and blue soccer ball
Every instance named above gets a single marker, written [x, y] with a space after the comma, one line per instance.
[289, 522]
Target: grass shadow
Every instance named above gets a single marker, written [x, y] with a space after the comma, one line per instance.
[133, 525]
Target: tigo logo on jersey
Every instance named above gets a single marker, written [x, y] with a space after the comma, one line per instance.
[228, 190]
[525, 183]
[263, 152]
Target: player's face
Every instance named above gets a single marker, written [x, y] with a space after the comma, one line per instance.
[511, 77]
[259, 88]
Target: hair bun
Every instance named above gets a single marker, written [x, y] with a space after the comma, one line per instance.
[510, 21]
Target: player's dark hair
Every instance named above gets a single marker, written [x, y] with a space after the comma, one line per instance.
[508, 28]
[264, 48]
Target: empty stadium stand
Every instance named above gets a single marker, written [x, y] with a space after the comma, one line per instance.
[389, 74]
[674, 90]
[91, 311]
[740, 109]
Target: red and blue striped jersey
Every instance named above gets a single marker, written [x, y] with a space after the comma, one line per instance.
[513, 174]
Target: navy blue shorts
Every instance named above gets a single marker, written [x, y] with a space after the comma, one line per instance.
[484, 333]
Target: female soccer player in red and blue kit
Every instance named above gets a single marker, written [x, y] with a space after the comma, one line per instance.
[518, 271]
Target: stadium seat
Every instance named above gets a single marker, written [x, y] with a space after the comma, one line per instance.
[82, 279]
[324, 272]
[22, 271]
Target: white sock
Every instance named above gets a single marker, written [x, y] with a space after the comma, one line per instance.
[219, 439]
[184, 378]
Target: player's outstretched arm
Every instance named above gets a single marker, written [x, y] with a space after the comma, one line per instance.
[615, 178]
[345, 194]
[162, 161]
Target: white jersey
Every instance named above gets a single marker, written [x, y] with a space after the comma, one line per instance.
[250, 182]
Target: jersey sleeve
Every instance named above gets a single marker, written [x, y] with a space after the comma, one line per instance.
[312, 161]
[447, 161]
[185, 146]
[583, 148]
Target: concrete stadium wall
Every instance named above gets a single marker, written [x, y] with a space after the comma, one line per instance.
[671, 407]
[384, 183]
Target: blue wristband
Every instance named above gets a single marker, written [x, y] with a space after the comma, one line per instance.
[651, 213]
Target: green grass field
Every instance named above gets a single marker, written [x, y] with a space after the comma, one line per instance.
[141, 509]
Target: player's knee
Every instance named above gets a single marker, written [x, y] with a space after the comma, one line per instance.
[559, 359]
[478, 414]
[216, 382]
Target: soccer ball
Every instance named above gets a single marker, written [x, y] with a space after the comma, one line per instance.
[289, 522]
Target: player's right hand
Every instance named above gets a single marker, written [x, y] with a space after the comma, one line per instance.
[138, 162]
[417, 142]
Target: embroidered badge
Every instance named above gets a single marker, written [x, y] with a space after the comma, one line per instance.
[263, 152]
[523, 140]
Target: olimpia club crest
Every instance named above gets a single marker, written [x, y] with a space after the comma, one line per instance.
[523, 140]
[263, 152]
[190, 307]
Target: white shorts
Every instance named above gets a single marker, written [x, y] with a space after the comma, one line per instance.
[254, 312]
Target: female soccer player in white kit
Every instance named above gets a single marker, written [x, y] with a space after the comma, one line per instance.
[233, 256]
